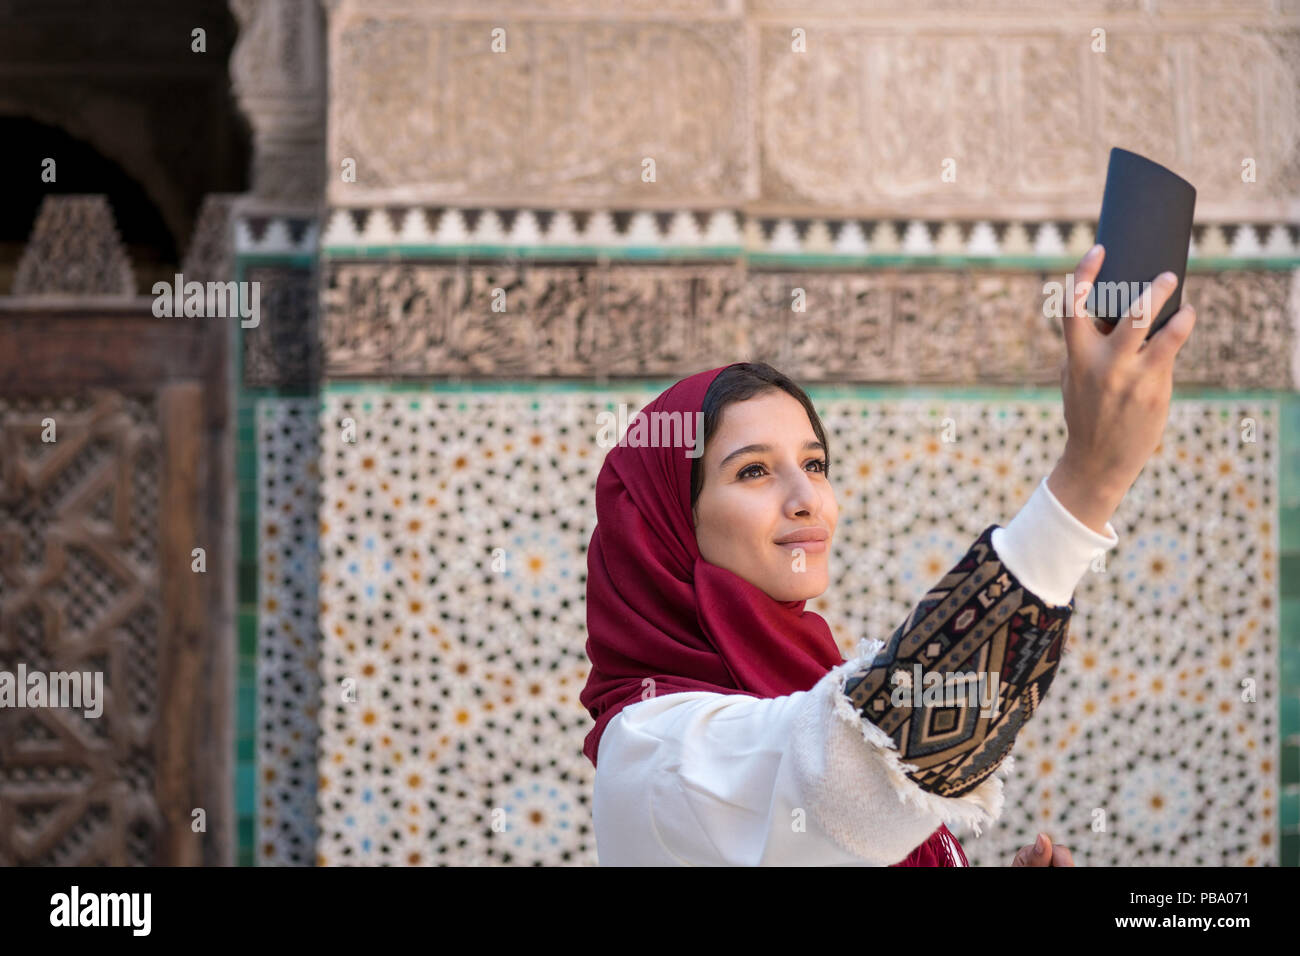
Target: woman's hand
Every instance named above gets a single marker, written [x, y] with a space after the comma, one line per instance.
[1042, 853]
[1116, 387]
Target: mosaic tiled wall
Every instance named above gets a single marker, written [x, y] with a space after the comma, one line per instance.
[452, 563]
[275, 769]
[288, 645]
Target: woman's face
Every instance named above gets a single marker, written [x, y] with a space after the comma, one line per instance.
[752, 498]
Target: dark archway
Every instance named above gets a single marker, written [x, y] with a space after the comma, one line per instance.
[78, 168]
[128, 108]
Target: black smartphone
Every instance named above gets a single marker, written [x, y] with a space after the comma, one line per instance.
[1146, 227]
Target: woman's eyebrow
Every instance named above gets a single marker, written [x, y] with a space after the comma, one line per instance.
[809, 445]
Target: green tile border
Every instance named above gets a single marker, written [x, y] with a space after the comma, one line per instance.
[1288, 467]
[247, 604]
[248, 575]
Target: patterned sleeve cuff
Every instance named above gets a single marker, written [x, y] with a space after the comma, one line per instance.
[981, 647]
[857, 788]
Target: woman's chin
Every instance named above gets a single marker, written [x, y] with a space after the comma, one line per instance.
[805, 589]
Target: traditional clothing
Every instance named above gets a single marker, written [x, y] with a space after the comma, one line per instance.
[728, 705]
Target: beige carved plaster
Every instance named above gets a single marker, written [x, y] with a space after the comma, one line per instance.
[277, 71]
[1014, 94]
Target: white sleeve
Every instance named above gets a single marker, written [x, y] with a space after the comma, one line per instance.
[1047, 548]
[702, 779]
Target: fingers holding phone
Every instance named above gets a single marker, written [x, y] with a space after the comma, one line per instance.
[1130, 332]
[1079, 326]
[1161, 349]
[1116, 389]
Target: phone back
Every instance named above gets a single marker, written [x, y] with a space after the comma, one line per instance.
[1146, 227]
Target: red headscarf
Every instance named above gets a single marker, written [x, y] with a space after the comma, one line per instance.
[656, 609]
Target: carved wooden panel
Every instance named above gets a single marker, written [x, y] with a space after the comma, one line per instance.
[80, 565]
[98, 531]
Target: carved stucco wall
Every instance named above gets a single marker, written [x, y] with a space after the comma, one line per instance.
[277, 71]
[860, 123]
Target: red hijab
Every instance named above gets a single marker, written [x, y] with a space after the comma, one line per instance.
[656, 609]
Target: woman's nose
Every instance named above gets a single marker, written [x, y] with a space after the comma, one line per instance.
[804, 498]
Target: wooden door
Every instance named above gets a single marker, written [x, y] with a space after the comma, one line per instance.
[99, 573]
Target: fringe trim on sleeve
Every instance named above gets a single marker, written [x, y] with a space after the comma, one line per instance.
[976, 809]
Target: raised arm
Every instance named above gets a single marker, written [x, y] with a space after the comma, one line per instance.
[990, 617]
[992, 629]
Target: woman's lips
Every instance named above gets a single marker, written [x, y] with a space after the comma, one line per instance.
[809, 547]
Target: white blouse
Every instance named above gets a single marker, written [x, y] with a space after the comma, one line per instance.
[705, 779]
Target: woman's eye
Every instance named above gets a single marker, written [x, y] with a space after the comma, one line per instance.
[821, 463]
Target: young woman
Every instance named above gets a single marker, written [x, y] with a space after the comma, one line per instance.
[729, 728]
